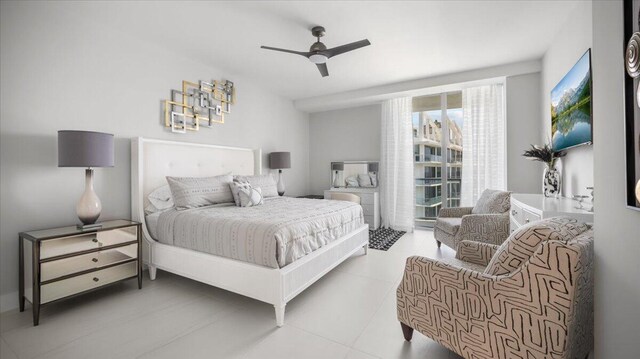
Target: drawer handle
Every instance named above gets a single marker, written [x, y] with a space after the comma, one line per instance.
[527, 220]
[514, 212]
[95, 240]
[95, 279]
[94, 260]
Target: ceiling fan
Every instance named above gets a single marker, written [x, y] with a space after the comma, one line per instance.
[319, 54]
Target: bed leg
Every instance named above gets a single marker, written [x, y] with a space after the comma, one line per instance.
[152, 272]
[366, 249]
[279, 315]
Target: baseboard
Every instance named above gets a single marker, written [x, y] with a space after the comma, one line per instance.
[8, 301]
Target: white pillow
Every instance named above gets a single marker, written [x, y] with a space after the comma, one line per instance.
[250, 197]
[159, 200]
[352, 181]
[267, 184]
[193, 192]
[236, 185]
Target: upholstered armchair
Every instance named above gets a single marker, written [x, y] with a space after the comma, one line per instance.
[531, 297]
[487, 221]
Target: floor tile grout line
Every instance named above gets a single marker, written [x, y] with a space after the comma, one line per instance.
[136, 317]
[193, 329]
[8, 347]
[390, 292]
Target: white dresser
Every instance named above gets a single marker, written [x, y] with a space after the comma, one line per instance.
[527, 208]
[369, 200]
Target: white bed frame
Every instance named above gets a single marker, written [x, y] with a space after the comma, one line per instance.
[152, 160]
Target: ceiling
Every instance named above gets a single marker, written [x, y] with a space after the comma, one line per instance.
[410, 40]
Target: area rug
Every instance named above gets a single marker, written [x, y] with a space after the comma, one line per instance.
[384, 238]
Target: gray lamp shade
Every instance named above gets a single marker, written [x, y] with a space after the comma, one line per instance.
[337, 166]
[372, 167]
[85, 149]
[279, 160]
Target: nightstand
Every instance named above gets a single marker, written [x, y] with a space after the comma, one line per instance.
[64, 262]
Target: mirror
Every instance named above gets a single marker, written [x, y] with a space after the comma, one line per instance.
[354, 174]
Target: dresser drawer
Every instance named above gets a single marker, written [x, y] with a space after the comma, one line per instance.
[367, 209]
[516, 213]
[528, 216]
[62, 267]
[68, 245]
[366, 198]
[56, 290]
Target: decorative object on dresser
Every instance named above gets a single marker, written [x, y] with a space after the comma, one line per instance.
[551, 178]
[354, 174]
[205, 102]
[537, 288]
[63, 262]
[526, 208]
[86, 149]
[632, 102]
[279, 161]
[369, 200]
[486, 222]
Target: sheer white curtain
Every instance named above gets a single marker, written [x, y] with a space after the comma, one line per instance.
[396, 165]
[484, 141]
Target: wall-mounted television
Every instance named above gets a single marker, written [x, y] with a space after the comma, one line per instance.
[571, 120]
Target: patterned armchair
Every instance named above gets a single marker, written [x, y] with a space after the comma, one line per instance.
[487, 222]
[533, 299]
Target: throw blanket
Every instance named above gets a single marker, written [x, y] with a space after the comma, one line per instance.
[274, 234]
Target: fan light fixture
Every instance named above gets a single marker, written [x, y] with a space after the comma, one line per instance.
[318, 58]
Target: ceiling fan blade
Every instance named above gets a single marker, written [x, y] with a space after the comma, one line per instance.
[305, 54]
[324, 71]
[346, 48]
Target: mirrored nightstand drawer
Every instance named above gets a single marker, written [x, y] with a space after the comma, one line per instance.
[84, 282]
[67, 245]
[67, 266]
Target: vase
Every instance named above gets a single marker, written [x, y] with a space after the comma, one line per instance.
[551, 182]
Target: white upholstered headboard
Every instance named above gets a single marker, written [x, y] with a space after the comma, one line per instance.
[152, 160]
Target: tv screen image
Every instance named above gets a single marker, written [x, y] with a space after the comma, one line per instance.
[571, 119]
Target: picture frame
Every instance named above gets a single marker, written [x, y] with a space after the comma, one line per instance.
[631, 10]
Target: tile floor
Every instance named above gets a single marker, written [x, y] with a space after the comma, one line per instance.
[350, 313]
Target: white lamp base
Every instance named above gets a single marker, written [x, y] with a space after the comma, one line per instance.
[280, 183]
[89, 206]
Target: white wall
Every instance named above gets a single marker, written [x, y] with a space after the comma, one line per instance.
[617, 228]
[341, 135]
[571, 42]
[523, 129]
[60, 70]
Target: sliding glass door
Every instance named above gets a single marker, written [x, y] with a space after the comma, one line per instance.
[437, 149]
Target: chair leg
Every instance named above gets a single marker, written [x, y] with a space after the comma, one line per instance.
[439, 243]
[407, 331]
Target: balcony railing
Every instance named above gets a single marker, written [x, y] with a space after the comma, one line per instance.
[427, 158]
[433, 201]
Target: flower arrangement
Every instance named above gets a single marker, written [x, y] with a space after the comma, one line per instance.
[543, 154]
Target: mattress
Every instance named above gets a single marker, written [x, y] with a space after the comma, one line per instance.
[273, 234]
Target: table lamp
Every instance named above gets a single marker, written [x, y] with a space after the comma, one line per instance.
[278, 161]
[86, 149]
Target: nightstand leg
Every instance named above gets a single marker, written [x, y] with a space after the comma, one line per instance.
[36, 314]
[35, 260]
[21, 274]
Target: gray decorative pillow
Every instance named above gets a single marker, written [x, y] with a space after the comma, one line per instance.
[267, 184]
[492, 201]
[250, 197]
[193, 192]
[236, 185]
[364, 180]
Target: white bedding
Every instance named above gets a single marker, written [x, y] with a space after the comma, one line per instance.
[274, 234]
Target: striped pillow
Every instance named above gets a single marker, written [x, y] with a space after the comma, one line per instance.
[193, 192]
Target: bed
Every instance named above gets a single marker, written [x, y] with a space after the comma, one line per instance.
[334, 230]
